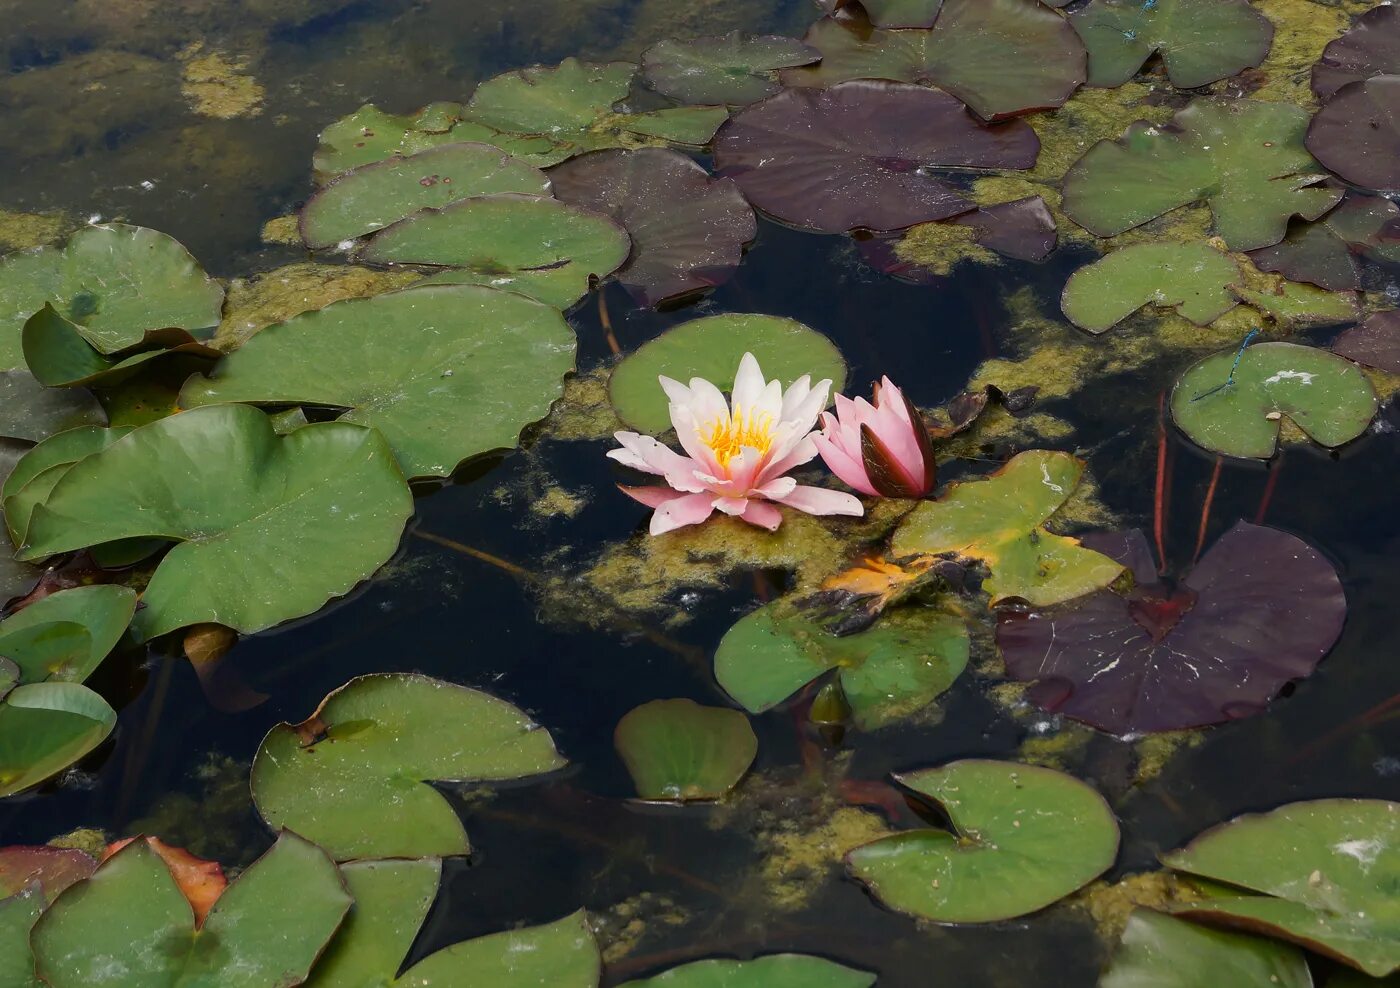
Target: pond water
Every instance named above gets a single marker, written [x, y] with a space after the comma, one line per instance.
[497, 584]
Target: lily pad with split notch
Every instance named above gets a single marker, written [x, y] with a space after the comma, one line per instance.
[772, 971]
[1193, 278]
[1158, 951]
[678, 750]
[734, 69]
[1324, 252]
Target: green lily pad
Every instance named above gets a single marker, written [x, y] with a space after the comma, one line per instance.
[887, 672]
[773, 971]
[1191, 277]
[444, 372]
[711, 348]
[59, 356]
[16, 578]
[18, 914]
[129, 925]
[736, 69]
[1293, 305]
[352, 777]
[1201, 41]
[1243, 157]
[270, 527]
[28, 410]
[1023, 837]
[101, 613]
[532, 245]
[1323, 394]
[1325, 872]
[999, 520]
[36, 473]
[1158, 951]
[44, 728]
[377, 195]
[115, 282]
[678, 750]
[392, 899]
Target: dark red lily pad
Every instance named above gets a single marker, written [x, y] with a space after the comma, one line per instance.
[1356, 134]
[688, 229]
[862, 154]
[52, 868]
[1023, 230]
[1374, 343]
[889, 13]
[1261, 609]
[1371, 47]
[1325, 251]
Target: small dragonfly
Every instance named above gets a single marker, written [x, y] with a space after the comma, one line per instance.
[1239, 355]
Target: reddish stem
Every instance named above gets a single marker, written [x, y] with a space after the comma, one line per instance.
[1205, 509]
[1275, 468]
[1159, 500]
[607, 322]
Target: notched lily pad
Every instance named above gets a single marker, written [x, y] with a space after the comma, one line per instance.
[1157, 951]
[1193, 278]
[1371, 47]
[735, 69]
[773, 971]
[1357, 133]
[678, 750]
[1325, 251]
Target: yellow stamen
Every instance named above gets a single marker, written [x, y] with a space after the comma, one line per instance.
[728, 435]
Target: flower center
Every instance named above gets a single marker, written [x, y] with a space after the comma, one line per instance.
[727, 436]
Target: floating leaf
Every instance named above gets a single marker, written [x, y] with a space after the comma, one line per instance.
[101, 613]
[270, 527]
[59, 356]
[860, 154]
[1325, 872]
[532, 245]
[1301, 305]
[1158, 951]
[1356, 133]
[688, 230]
[1245, 158]
[53, 869]
[1322, 394]
[773, 971]
[16, 578]
[1023, 837]
[1000, 57]
[1191, 277]
[36, 473]
[1370, 48]
[129, 926]
[115, 282]
[678, 750]
[1260, 610]
[201, 882]
[353, 776]
[736, 69]
[1324, 252]
[1201, 41]
[893, 13]
[444, 372]
[18, 914]
[711, 348]
[999, 520]
[1374, 343]
[28, 410]
[44, 728]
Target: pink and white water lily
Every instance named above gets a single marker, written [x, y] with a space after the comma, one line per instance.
[738, 453]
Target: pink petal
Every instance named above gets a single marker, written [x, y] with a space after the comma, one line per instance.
[676, 392]
[762, 514]
[803, 451]
[775, 489]
[748, 383]
[897, 434]
[820, 501]
[652, 497]
[688, 509]
[732, 505]
[839, 462]
[743, 468]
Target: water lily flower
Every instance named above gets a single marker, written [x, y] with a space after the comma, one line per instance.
[739, 453]
[881, 449]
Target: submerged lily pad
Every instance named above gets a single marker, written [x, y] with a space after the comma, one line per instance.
[1023, 837]
[1374, 343]
[377, 195]
[30, 411]
[1325, 874]
[1000, 57]
[1371, 47]
[862, 154]
[1201, 41]
[1158, 951]
[270, 527]
[1243, 157]
[736, 69]
[1000, 520]
[1324, 252]
[1357, 134]
[1321, 393]
[1191, 277]
[39, 639]
[678, 750]
[444, 372]
[1261, 609]
[59, 356]
[773, 971]
[44, 728]
[114, 282]
[353, 776]
[129, 925]
[711, 348]
[532, 245]
[688, 230]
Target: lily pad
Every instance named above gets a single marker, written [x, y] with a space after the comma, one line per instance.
[270, 527]
[1000, 520]
[863, 154]
[101, 613]
[892, 13]
[59, 356]
[889, 671]
[1324, 395]
[1356, 133]
[1324, 252]
[51, 869]
[1193, 278]
[28, 410]
[129, 925]
[1000, 57]
[1158, 951]
[1201, 41]
[532, 245]
[1261, 609]
[353, 776]
[16, 578]
[1245, 158]
[377, 195]
[688, 230]
[735, 69]
[44, 728]
[1325, 872]
[1023, 837]
[711, 348]
[773, 971]
[678, 750]
[36, 473]
[18, 914]
[115, 282]
[392, 899]
[1374, 343]
[1371, 47]
[444, 372]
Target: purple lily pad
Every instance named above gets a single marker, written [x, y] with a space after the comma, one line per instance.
[1371, 47]
[1374, 343]
[1023, 230]
[1356, 134]
[1325, 251]
[1261, 609]
[688, 229]
[861, 154]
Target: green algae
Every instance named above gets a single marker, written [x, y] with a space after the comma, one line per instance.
[556, 502]
[216, 821]
[584, 411]
[255, 303]
[940, 247]
[1155, 751]
[89, 840]
[216, 85]
[282, 230]
[20, 231]
[1109, 904]
[1302, 28]
[626, 925]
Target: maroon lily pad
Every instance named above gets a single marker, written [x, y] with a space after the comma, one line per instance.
[889, 13]
[52, 868]
[1023, 230]
[862, 154]
[1374, 343]
[1325, 251]
[688, 229]
[1261, 609]
[1371, 47]
[1356, 134]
